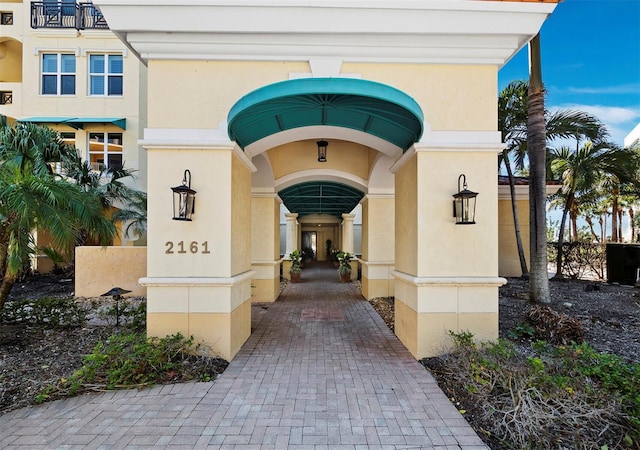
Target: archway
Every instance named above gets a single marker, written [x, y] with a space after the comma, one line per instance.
[445, 276]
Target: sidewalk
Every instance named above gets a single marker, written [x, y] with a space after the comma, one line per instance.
[320, 371]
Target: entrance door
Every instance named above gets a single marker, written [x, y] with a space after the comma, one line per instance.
[309, 245]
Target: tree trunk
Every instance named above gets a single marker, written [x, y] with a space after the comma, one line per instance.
[537, 146]
[591, 229]
[560, 254]
[5, 288]
[516, 220]
[619, 224]
[573, 215]
[614, 216]
[632, 225]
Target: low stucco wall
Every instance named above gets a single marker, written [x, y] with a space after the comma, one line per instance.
[98, 269]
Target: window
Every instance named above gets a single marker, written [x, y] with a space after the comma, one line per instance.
[68, 138]
[105, 150]
[105, 74]
[58, 74]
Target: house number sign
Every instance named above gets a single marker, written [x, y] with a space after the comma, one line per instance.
[182, 247]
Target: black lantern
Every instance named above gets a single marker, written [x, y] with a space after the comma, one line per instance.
[464, 204]
[184, 199]
[322, 150]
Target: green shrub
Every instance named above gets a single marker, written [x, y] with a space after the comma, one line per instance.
[129, 360]
[552, 397]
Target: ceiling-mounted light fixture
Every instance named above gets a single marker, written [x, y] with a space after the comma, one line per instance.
[322, 150]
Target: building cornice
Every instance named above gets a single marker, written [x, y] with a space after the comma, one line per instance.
[400, 31]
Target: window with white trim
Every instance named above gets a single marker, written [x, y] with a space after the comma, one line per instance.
[105, 75]
[58, 74]
[105, 150]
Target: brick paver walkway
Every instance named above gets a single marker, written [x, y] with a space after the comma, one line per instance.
[320, 371]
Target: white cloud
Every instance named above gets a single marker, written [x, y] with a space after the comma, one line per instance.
[618, 120]
[607, 114]
[608, 90]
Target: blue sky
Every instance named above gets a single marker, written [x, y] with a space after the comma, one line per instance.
[590, 61]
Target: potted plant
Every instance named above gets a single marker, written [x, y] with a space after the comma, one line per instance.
[344, 266]
[296, 266]
[333, 257]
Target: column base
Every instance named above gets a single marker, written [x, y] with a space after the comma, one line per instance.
[215, 311]
[427, 309]
[266, 284]
[377, 279]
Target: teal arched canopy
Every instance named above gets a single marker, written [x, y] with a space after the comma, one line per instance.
[320, 197]
[362, 105]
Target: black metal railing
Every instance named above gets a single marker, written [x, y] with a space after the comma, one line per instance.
[67, 14]
[91, 18]
[6, 18]
[6, 97]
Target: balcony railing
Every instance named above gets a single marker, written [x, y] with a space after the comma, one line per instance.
[66, 14]
[6, 97]
[6, 18]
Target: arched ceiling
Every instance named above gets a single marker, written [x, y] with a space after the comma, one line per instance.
[320, 197]
[362, 105]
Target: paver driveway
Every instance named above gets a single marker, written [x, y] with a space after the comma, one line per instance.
[321, 370]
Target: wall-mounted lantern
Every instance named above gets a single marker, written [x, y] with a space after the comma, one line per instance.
[464, 203]
[322, 150]
[184, 199]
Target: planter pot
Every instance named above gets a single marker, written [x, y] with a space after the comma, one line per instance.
[295, 276]
[345, 277]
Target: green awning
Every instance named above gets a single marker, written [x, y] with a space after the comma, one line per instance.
[79, 122]
[320, 197]
[362, 105]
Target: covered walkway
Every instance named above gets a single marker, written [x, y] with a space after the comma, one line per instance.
[320, 370]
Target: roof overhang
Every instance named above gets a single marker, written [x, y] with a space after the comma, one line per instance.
[365, 106]
[79, 122]
[403, 31]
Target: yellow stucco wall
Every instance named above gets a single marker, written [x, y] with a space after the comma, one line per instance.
[98, 269]
[446, 249]
[240, 217]
[207, 89]
[211, 178]
[227, 331]
[303, 155]
[197, 101]
[11, 67]
[509, 262]
[406, 217]
[265, 248]
[378, 229]
[131, 105]
[451, 97]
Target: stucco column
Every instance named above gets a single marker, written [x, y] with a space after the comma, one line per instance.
[347, 233]
[291, 232]
[446, 275]
[199, 272]
[378, 245]
[265, 246]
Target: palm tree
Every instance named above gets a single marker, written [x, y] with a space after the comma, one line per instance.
[33, 196]
[512, 119]
[512, 123]
[537, 146]
[581, 171]
[108, 185]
